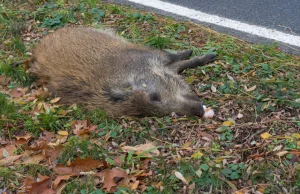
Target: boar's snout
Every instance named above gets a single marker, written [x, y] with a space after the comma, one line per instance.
[196, 108]
[191, 108]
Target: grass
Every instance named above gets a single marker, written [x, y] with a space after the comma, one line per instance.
[258, 81]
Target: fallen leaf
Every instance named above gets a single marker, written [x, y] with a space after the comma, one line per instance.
[142, 173]
[54, 153]
[4, 80]
[47, 191]
[63, 133]
[158, 185]
[197, 155]
[16, 93]
[199, 173]
[48, 136]
[38, 187]
[8, 160]
[227, 123]
[192, 187]
[79, 165]
[180, 176]
[118, 160]
[7, 151]
[148, 149]
[135, 185]
[277, 148]
[187, 145]
[59, 180]
[296, 135]
[282, 153]
[37, 145]
[295, 152]
[249, 89]
[230, 78]
[23, 139]
[109, 176]
[213, 88]
[34, 159]
[265, 135]
[54, 100]
[82, 127]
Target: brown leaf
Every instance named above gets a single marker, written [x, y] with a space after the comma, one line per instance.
[143, 173]
[4, 80]
[118, 161]
[34, 159]
[109, 177]
[8, 160]
[59, 179]
[147, 149]
[82, 127]
[37, 145]
[54, 153]
[48, 136]
[38, 187]
[145, 163]
[209, 136]
[16, 93]
[47, 191]
[7, 151]
[79, 165]
[28, 181]
[54, 100]
[135, 185]
[23, 139]
[282, 153]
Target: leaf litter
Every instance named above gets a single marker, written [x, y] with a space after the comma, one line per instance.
[241, 134]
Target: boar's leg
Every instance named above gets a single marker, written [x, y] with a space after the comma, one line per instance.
[194, 62]
[179, 56]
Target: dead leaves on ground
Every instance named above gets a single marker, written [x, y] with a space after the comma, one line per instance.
[39, 152]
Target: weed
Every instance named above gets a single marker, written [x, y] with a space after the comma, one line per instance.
[233, 171]
[83, 185]
[34, 170]
[18, 75]
[81, 148]
[6, 174]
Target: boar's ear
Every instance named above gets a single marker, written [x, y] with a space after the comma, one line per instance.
[179, 56]
[194, 62]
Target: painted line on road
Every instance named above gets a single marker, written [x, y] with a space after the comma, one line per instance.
[221, 21]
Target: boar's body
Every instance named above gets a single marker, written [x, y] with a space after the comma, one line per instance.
[100, 69]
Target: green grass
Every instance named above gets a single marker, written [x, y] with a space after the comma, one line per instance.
[223, 167]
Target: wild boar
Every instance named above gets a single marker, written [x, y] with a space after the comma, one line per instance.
[100, 69]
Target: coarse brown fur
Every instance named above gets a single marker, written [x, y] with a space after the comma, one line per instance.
[100, 69]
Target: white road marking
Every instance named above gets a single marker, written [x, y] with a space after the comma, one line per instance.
[220, 21]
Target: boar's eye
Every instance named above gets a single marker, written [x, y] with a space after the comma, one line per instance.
[154, 96]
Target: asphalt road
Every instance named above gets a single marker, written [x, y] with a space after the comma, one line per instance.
[278, 15]
[282, 15]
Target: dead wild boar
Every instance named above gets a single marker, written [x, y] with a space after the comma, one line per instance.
[101, 69]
